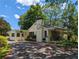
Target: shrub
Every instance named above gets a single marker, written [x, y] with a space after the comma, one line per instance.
[69, 43]
[3, 41]
[4, 47]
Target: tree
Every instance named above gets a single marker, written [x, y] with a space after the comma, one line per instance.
[33, 14]
[54, 11]
[70, 15]
[4, 26]
[56, 1]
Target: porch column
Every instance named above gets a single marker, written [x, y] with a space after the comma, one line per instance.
[49, 35]
[39, 36]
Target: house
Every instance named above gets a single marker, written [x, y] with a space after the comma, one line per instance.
[17, 36]
[44, 33]
[39, 32]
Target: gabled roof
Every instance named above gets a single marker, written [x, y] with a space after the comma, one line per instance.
[39, 24]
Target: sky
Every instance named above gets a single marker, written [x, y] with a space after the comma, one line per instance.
[11, 10]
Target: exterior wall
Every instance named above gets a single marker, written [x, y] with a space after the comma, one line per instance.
[15, 38]
[37, 29]
[39, 36]
[10, 35]
[19, 39]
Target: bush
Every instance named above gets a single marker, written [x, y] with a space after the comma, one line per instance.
[3, 52]
[3, 41]
[4, 47]
[69, 43]
[74, 43]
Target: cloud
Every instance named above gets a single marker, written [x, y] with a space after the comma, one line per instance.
[3, 16]
[19, 7]
[41, 4]
[28, 2]
[16, 16]
[64, 5]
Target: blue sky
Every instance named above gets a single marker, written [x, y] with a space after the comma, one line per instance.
[12, 9]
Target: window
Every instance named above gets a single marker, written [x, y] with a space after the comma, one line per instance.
[18, 34]
[22, 35]
[13, 34]
[31, 33]
[45, 33]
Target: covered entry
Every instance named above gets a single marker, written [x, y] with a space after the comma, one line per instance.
[56, 34]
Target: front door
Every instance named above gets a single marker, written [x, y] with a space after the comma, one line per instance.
[55, 35]
[32, 36]
[45, 36]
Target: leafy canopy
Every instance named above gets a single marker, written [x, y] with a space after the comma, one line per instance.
[4, 26]
[33, 14]
[67, 16]
[70, 15]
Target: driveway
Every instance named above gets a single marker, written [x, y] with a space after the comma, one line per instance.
[34, 50]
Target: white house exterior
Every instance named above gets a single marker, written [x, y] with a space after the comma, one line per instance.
[38, 32]
[37, 29]
[17, 35]
[44, 33]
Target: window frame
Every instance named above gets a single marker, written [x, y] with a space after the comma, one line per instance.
[18, 35]
[13, 35]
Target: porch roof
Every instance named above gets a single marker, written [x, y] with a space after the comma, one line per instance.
[55, 27]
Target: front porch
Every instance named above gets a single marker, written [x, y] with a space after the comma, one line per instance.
[57, 34]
